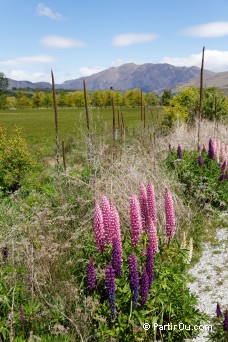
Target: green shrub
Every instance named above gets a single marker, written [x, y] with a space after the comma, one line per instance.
[15, 160]
[200, 182]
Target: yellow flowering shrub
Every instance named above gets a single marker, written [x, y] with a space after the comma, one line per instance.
[15, 160]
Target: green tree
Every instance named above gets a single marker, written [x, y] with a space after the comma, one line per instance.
[47, 99]
[166, 97]
[3, 82]
[215, 104]
[3, 88]
[37, 99]
[61, 99]
[22, 101]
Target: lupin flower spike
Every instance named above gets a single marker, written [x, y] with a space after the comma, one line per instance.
[151, 202]
[143, 206]
[117, 257]
[106, 218]
[110, 289]
[170, 216]
[211, 152]
[99, 228]
[144, 287]
[179, 152]
[134, 278]
[218, 310]
[135, 220]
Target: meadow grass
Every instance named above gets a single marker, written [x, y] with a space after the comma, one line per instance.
[38, 124]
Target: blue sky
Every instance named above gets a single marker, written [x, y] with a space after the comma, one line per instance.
[79, 37]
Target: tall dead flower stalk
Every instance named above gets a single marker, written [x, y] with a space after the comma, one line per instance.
[56, 128]
[201, 96]
[87, 122]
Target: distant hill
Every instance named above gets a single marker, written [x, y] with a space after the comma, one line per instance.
[148, 77]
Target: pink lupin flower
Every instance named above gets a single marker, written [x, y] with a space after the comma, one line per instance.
[99, 228]
[152, 234]
[170, 216]
[151, 202]
[223, 152]
[135, 220]
[106, 218]
[143, 205]
[115, 232]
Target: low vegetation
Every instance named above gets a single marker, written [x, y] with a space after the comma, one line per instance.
[61, 279]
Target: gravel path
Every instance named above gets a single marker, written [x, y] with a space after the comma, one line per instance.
[211, 277]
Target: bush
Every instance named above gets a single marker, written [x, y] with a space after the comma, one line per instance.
[15, 160]
[200, 182]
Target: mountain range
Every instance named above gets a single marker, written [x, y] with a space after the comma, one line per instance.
[148, 77]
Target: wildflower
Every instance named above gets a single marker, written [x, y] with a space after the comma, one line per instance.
[179, 152]
[151, 202]
[198, 148]
[106, 218]
[150, 264]
[91, 275]
[218, 310]
[225, 322]
[152, 234]
[115, 232]
[135, 220]
[169, 213]
[110, 289]
[117, 257]
[170, 148]
[22, 316]
[134, 278]
[144, 287]
[211, 152]
[223, 167]
[143, 205]
[204, 148]
[99, 228]
[200, 160]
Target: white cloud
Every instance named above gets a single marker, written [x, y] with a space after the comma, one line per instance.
[209, 30]
[127, 39]
[25, 75]
[60, 42]
[36, 59]
[214, 60]
[45, 11]
[87, 71]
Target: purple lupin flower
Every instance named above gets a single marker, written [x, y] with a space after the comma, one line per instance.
[204, 148]
[170, 147]
[150, 264]
[22, 316]
[115, 232]
[152, 234]
[179, 152]
[99, 228]
[106, 218]
[134, 278]
[110, 290]
[170, 216]
[223, 167]
[198, 148]
[225, 322]
[200, 160]
[218, 310]
[117, 257]
[211, 152]
[91, 275]
[143, 206]
[135, 221]
[144, 286]
[151, 203]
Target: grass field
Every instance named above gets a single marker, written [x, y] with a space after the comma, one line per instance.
[38, 124]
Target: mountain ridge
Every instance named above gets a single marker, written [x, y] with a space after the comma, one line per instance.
[147, 76]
